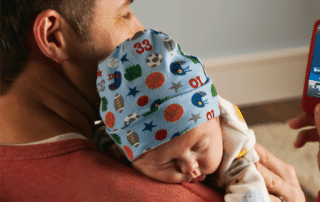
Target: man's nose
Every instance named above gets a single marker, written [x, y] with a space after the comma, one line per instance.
[136, 24]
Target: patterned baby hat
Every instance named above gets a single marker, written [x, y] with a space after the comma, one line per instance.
[151, 92]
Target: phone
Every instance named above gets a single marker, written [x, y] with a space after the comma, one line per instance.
[311, 90]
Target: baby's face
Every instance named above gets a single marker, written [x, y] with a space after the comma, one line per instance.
[187, 158]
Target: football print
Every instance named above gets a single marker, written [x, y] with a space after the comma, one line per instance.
[154, 60]
[118, 103]
[110, 119]
[133, 138]
[128, 151]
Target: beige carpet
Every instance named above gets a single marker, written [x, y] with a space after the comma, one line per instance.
[279, 138]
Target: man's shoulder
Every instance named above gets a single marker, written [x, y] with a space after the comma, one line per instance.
[74, 169]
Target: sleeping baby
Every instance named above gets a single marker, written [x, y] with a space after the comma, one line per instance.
[161, 109]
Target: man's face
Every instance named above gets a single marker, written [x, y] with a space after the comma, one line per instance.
[113, 22]
[187, 158]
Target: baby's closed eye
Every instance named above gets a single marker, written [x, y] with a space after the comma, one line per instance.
[200, 146]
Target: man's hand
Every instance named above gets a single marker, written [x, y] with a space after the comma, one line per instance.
[280, 177]
[310, 134]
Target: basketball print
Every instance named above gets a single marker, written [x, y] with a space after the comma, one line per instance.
[173, 113]
[154, 60]
[110, 119]
[129, 152]
[155, 80]
[143, 101]
[113, 62]
[161, 135]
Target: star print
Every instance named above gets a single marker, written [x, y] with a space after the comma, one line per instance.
[149, 126]
[176, 86]
[195, 117]
[124, 59]
[99, 73]
[133, 91]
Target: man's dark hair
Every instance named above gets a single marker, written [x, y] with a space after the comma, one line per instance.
[17, 17]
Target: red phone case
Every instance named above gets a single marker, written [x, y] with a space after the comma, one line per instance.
[308, 103]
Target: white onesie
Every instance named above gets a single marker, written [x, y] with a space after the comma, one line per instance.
[237, 173]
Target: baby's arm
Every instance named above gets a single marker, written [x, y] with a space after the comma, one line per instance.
[237, 173]
[243, 181]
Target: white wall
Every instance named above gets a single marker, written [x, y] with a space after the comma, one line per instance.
[314, 8]
[218, 30]
[215, 28]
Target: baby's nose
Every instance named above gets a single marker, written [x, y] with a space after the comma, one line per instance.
[196, 172]
[191, 166]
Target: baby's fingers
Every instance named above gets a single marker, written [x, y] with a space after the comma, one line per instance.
[305, 136]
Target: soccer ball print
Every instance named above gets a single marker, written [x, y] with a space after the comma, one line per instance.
[154, 60]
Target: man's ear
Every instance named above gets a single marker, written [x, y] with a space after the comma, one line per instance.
[49, 35]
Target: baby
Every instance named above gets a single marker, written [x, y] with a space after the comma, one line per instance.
[163, 112]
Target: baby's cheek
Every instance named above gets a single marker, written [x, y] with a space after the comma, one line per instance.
[213, 159]
[169, 176]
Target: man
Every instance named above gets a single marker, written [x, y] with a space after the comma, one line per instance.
[57, 83]
[49, 55]
[49, 102]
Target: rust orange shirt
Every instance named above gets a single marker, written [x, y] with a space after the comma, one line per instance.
[74, 170]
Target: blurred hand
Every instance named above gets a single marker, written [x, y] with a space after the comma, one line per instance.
[307, 135]
[304, 120]
[280, 177]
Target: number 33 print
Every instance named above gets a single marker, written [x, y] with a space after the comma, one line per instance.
[140, 49]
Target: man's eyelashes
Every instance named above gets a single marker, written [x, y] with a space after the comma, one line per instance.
[127, 16]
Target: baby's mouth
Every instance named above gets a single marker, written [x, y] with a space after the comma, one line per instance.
[198, 179]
